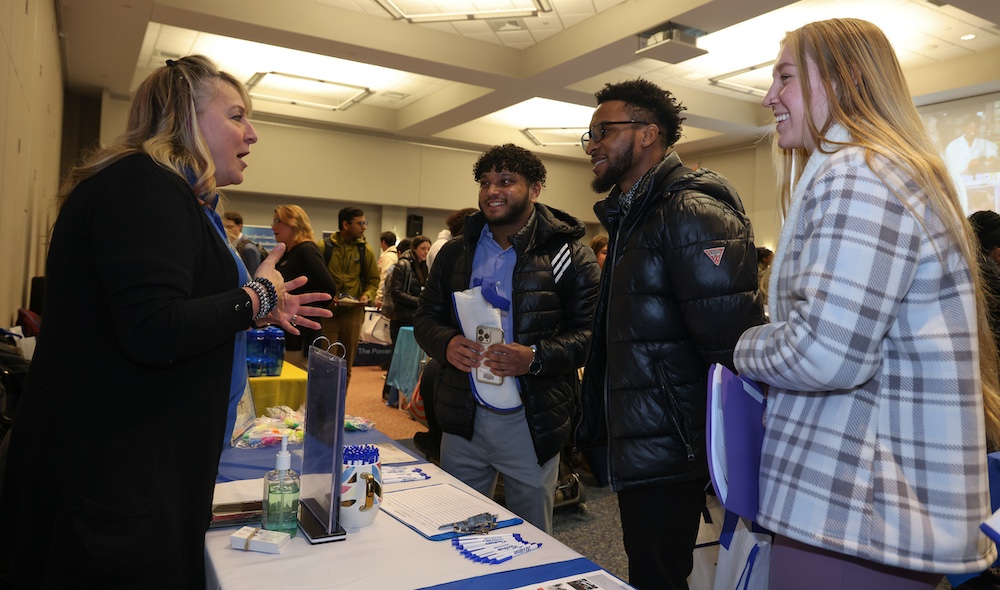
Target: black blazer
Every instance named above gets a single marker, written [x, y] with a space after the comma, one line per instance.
[117, 440]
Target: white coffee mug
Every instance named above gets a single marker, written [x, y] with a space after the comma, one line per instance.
[360, 494]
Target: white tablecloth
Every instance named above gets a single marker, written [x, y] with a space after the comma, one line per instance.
[384, 556]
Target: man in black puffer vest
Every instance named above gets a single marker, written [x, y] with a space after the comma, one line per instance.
[679, 287]
[529, 255]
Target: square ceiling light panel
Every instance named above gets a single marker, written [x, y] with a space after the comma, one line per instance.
[754, 80]
[305, 91]
[554, 136]
[430, 11]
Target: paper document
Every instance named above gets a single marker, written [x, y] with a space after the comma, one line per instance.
[426, 509]
[474, 310]
[389, 453]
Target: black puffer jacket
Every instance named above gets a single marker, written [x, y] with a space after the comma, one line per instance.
[679, 288]
[406, 280]
[553, 309]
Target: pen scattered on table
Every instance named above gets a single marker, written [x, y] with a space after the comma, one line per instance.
[493, 549]
[400, 474]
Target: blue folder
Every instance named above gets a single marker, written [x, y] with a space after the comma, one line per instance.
[735, 434]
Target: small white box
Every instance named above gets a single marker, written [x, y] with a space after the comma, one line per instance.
[251, 538]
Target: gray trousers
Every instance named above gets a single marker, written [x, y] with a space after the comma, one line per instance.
[501, 444]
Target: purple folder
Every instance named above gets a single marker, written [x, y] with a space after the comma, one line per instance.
[735, 433]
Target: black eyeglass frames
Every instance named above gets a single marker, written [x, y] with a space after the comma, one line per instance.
[597, 136]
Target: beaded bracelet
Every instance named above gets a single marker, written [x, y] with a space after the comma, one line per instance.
[272, 295]
[266, 294]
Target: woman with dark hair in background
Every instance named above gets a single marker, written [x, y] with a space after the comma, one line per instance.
[402, 287]
[302, 258]
[405, 282]
[600, 247]
[141, 361]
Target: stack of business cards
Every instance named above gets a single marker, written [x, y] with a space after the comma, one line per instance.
[251, 538]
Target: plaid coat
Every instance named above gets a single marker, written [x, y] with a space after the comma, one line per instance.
[875, 440]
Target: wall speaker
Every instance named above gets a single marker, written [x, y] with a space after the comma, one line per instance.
[414, 225]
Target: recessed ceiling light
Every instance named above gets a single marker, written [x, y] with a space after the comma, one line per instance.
[968, 37]
[305, 91]
[464, 10]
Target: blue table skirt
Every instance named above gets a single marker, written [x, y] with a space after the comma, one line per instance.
[524, 577]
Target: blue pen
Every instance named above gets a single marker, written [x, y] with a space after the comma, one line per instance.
[515, 552]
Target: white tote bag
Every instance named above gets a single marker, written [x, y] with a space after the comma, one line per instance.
[706, 549]
[744, 555]
[375, 328]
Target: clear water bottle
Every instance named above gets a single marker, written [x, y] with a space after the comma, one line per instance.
[274, 350]
[256, 342]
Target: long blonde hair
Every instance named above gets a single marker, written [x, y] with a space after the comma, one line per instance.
[867, 95]
[163, 123]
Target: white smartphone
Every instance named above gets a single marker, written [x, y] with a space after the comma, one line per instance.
[487, 336]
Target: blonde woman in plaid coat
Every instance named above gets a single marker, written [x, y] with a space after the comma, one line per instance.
[874, 462]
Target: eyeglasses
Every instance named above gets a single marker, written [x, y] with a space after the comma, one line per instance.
[361, 223]
[596, 136]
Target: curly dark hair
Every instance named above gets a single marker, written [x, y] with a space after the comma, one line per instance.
[456, 221]
[511, 158]
[646, 101]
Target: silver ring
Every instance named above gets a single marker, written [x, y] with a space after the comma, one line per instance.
[293, 319]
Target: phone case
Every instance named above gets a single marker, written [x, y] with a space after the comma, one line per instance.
[487, 336]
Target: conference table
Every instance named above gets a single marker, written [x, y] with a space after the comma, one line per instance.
[387, 554]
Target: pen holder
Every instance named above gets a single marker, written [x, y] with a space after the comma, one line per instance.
[361, 486]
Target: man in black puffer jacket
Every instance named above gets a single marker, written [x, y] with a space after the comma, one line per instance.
[531, 255]
[678, 289]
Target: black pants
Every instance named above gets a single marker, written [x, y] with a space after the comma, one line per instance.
[660, 530]
[427, 379]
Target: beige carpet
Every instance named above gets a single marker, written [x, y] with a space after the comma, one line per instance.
[364, 399]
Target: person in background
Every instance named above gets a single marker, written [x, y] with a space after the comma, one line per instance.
[249, 251]
[166, 326]
[406, 282]
[455, 223]
[402, 246]
[679, 288]
[530, 256]
[302, 258]
[986, 226]
[879, 361]
[600, 247]
[354, 269]
[970, 154]
[386, 260]
[764, 258]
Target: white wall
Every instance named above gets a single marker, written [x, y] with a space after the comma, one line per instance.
[31, 106]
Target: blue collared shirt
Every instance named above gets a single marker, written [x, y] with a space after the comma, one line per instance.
[492, 264]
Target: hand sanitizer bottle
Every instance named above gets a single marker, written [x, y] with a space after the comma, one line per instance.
[281, 494]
